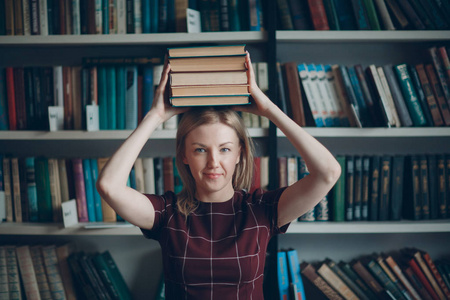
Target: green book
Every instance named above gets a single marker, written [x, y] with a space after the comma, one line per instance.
[121, 84]
[45, 211]
[410, 95]
[111, 97]
[372, 15]
[116, 276]
[339, 193]
[102, 98]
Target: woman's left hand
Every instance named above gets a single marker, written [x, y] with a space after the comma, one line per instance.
[260, 103]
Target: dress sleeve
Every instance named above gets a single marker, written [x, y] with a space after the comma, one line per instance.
[161, 204]
[269, 201]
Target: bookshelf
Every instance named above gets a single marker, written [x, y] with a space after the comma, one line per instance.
[316, 241]
[135, 255]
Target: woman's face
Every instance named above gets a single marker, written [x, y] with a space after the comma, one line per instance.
[212, 152]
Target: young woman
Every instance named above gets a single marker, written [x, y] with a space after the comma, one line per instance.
[214, 234]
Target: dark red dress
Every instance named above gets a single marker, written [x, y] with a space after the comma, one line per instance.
[219, 251]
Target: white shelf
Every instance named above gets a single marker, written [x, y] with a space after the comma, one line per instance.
[370, 227]
[58, 229]
[133, 39]
[362, 36]
[376, 132]
[98, 135]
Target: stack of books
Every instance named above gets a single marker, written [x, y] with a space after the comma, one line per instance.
[208, 75]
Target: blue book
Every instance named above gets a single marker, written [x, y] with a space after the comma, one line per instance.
[233, 13]
[111, 97]
[121, 85]
[254, 15]
[346, 18]
[145, 10]
[361, 102]
[102, 98]
[45, 210]
[283, 276]
[89, 189]
[147, 93]
[131, 106]
[97, 198]
[154, 16]
[3, 101]
[105, 16]
[31, 189]
[294, 274]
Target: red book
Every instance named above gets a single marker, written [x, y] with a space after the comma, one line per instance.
[442, 52]
[295, 92]
[426, 256]
[80, 190]
[431, 100]
[11, 98]
[68, 102]
[440, 98]
[169, 184]
[318, 15]
[421, 276]
[19, 92]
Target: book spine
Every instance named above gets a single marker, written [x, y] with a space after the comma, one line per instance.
[80, 190]
[440, 99]
[27, 273]
[318, 15]
[53, 274]
[13, 273]
[349, 189]
[410, 95]
[442, 194]
[283, 277]
[89, 189]
[316, 110]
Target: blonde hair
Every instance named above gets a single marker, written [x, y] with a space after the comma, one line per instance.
[196, 117]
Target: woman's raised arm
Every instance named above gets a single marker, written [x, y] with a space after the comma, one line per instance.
[130, 204]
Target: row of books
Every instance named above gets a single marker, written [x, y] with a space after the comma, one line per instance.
[379, 188]
[32, 189]
[363, 15]
[58, 272]
[41, 17]
[122, 89]
[407, 273]
[400, 95]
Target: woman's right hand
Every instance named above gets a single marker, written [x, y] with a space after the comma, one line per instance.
[161, 105]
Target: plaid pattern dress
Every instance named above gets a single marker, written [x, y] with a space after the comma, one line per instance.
[219, 251]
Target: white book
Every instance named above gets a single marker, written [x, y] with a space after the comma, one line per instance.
[383, 97]
[314, 105]
[76, 21]
[131, 99]
[43, 17]
[263, 76]
[326, 96]
[255, 121]
[139, 174]
[384, 15]
[149, 175]
[58, 87]
[121, 16]
[26, 15]
[137, 16]
[98, 17]
[331, 87]
[317, 96]
[390, 99]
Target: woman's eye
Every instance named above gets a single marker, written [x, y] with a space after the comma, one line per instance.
[226, 149]
[200, 150]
